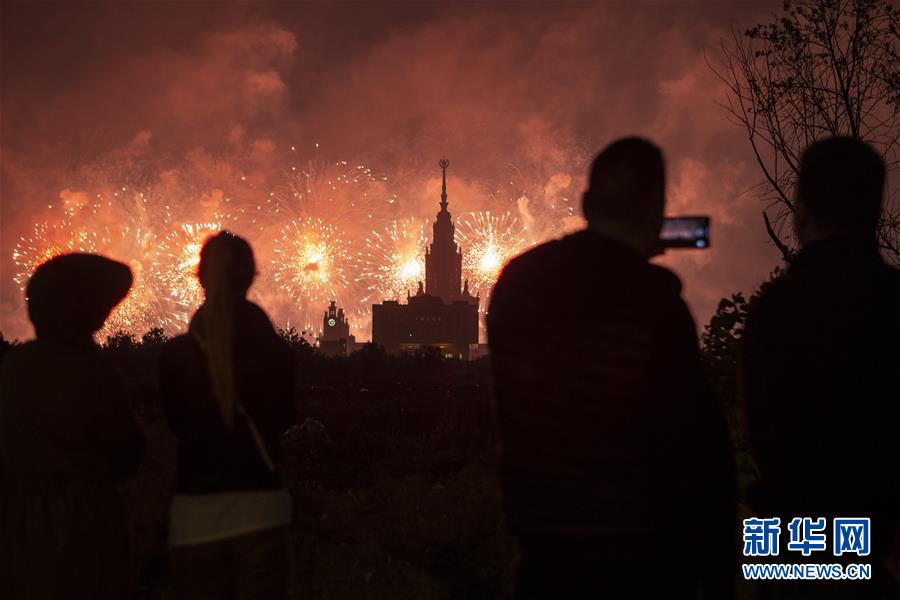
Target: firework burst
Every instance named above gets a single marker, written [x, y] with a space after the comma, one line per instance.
[174, 265]
[312, 262]
[336, 191]
[127, 236]
[48, 240]
[488, 241]
[393, 261]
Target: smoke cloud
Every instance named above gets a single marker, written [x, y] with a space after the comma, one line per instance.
[224, 115]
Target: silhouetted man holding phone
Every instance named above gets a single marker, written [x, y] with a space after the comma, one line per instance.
[822, 349]
[616, 471]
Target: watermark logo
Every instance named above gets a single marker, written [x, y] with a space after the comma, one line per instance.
[805, 536]
[761, 536]
[852, 536]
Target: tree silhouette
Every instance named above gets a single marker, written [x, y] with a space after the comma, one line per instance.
[154, 337]
[720, 345]
[821, 68]
[121, 340]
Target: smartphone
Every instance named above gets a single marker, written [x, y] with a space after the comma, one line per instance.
[685, 232]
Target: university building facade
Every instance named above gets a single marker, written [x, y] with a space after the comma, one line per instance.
[442, 314]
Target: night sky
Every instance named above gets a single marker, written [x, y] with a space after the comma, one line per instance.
[198, 98]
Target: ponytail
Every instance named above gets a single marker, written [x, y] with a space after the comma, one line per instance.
[215, 333]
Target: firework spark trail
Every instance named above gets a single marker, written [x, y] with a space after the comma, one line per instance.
[161, 239]
[134, 219]
[49, 239]
[336, 191]
[174, 263]
[299, 218]
[393, 261]
[487, 242]
[312, 262]
[76, 231]
[126, 236]
[163, 258]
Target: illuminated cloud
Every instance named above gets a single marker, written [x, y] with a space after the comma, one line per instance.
[205, 105]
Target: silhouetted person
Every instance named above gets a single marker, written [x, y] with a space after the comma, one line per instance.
[67, 437]
[228, 392]
[822, 351]
[616, 468]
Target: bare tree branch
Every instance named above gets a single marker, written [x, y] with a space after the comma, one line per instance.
[820, 68]
[786, 253]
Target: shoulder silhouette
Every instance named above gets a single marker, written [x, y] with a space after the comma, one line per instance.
[67, 436]
[611, 440]
[820, 356]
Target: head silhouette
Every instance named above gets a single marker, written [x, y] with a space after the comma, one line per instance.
[626, 193]
[226, 271]
[226, 265]
[70, 296]
[839, 191]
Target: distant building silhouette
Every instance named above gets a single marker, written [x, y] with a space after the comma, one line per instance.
[336, 339]
[442, 314]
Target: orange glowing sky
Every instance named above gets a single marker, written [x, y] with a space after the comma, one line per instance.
[212, 107]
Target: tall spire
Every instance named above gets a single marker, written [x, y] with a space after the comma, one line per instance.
[444, 163]
[443, 260]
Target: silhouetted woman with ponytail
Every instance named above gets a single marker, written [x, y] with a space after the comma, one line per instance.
[227, 387]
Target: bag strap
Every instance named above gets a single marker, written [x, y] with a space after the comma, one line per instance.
[239, 407]
[257, 438]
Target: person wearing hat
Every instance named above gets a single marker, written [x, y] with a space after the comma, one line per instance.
[67, 437]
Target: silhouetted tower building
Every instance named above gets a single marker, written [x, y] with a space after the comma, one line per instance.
[336, 339]
[443, 259]
[439, 315]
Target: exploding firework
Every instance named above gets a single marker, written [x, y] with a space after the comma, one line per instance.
[175, 265]
[487, 242]
[336, 191]
[141, 310]
[393, 261]
[134, 219]
[47, 241]
[82, 230]
[76, 231]
[313, 264]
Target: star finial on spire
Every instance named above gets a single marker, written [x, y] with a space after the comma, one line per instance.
[444, 163]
